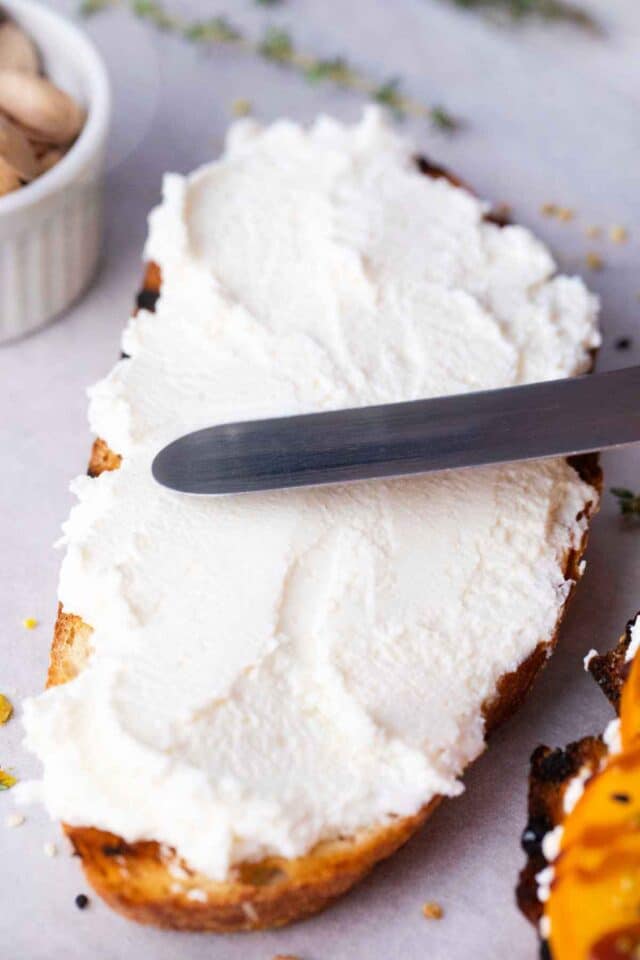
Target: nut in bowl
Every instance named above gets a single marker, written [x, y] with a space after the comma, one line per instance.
[54, 116]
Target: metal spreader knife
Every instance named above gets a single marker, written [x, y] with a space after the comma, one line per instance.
[549, 419]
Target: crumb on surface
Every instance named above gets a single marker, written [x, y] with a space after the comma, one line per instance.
[7, 780]
[241, 107]
[618, 233]
[29, 623]
[565, 214]
[6, 708]
[549, 209]
[432, 910]
[593, 231]
[50, 849]
[15, 820]
[285, 956]
[594, 261]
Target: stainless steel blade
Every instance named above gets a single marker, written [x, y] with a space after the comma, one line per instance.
[539, 420]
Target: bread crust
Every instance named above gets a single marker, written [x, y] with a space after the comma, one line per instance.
[148, 883]
[552, 771]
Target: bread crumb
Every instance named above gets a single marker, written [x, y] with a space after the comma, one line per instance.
[241, 107]
[50, 849]
[618, 234]
[549, 210]
[285, 956]
[565, 214]
[5, 708]
[29, 623]
[15, 820]
[594, 261]
[593, 231]
[432, 910]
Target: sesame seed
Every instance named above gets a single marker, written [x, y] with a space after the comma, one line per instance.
[241, 107]
[432, 910]
[50, 849]
[594, 261]
[82, 901]
[15, 820]
[618, 234]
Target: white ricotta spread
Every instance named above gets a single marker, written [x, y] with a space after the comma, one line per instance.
[634, 644]
[279, 668]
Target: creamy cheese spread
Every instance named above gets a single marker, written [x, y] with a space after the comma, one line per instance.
[275, 669]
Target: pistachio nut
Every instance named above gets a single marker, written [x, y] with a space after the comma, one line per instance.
[17, 50]
[44, 112]
[9, 179]
[16, 151]
[49, 159]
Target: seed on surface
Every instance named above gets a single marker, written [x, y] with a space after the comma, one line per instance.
[432, 910]
[594, 261]
[241, 107]
[618, 234]
[82, 901]
[50, 849]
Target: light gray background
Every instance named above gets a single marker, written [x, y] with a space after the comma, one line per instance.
[552, 114]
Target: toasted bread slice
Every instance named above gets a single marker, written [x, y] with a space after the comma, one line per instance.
[552, 770]
[147, 882]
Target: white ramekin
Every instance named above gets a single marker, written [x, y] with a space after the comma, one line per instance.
[50, 230]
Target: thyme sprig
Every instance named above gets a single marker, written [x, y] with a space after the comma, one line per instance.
[558, 10]
[628, 501]
[276, 46]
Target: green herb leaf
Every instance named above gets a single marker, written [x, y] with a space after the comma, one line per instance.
[154, 12]
[388, 94]
[216, 30]
[336, 70]
[276, 45]
[628, 501]
[559, 10]
[89, 7]
[443, 120]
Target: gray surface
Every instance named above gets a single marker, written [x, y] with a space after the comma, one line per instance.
[552, 115]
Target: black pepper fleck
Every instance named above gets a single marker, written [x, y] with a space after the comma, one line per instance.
[622, 343]
[621, 797]
[82, 901]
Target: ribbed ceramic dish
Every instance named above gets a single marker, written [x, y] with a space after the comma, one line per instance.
[50, 230]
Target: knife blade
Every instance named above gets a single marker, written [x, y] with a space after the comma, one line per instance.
[548, 419]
